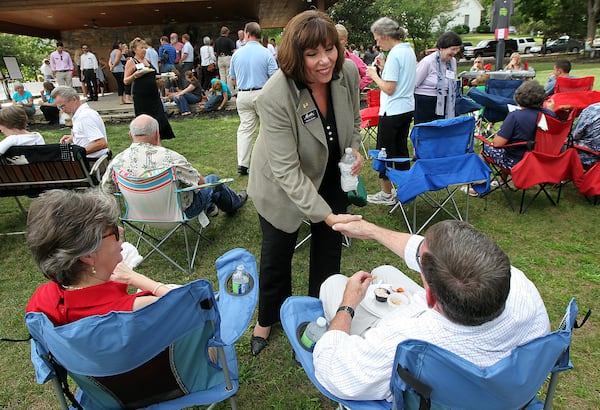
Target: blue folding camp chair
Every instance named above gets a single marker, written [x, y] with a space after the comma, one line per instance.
[296, 312]
[495, 99]
[464, 104]
[155, 357]
[427, 376]
[444, 161]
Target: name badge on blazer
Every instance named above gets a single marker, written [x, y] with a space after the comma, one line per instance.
[309, 116]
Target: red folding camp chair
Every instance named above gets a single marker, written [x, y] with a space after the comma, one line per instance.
[567, 84]
[590, 183]
[573, 102]
[544, 165]
[370, 120]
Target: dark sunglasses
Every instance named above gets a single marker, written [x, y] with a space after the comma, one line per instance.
[418, 256]
[114, 231]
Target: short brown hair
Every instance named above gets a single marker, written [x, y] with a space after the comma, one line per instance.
[308, 29]
[13, 117]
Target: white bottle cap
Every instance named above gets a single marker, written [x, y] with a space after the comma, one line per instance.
[348, 150]
[321, 322]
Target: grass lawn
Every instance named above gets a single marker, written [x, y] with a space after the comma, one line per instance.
[556, 247]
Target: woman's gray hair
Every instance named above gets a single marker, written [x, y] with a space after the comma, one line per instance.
[206, 40]
[386, 27]
[18, 84]
[530, 94]
[66, 93]
[64, 225]
[342, 31]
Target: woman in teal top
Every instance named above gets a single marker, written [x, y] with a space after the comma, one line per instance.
[23, 98]
[48, 106]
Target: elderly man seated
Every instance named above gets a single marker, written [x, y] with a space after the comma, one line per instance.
[587, 134]
[475, 305]
[88, 128]
[146, 154]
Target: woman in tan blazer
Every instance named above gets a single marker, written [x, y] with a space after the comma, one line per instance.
[309, 112]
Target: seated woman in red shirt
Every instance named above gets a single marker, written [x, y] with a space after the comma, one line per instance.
[75, 241]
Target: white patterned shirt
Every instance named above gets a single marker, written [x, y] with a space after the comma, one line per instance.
[360, 368]
[142, 157]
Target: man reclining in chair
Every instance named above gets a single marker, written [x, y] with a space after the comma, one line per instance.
[478, 307]
[146, 154]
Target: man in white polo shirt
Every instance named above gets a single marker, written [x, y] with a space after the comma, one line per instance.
[88, 128]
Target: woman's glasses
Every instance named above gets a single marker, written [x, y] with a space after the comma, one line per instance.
[115, 231]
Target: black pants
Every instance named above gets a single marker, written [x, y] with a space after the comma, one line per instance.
[392, 134]
[425, 108]
[51, 113]
[276, 265]
[120, 84]
[89, 77]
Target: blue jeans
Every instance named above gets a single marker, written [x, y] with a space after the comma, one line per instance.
[212, 102]
[222, 196]
[183, 102]
[165, 68]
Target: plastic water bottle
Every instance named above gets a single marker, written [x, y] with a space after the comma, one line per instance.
[313, 332]
[240, 280]
[349, 182]
[382, 154]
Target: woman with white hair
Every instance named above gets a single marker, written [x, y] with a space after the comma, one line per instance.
[208, 62]
[23, 98]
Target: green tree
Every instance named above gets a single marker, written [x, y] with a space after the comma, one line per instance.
[357, 16]
[29, 51]
[419, 17]
[558, 17]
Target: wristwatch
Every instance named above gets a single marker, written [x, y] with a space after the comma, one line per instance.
[346, 309]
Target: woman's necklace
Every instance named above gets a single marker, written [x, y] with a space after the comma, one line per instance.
[73, 287]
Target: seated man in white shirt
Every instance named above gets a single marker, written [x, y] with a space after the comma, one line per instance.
[13, 124]
[479, 307]
[88, 128]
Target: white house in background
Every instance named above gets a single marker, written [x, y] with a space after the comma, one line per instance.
[467, 12]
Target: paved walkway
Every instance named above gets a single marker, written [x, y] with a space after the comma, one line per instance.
[111, 111]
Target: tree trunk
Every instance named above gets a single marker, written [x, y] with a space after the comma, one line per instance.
[593, 9]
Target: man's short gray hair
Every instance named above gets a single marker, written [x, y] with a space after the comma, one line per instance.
[67, 93]
[143, 125]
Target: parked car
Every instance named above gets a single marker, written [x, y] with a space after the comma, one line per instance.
[525, 44]
[458, 56]
[596, 43]
[487, 48]
[563, 44]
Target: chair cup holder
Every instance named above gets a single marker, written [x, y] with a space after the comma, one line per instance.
[378, 165]
[229, 286]
[299, 332]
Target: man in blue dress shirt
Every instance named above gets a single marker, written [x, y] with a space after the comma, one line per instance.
[251, 67]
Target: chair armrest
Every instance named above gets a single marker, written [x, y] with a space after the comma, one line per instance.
[206, 185]
[587, 150]
[99, 167]
[486, 141]
[236, 310]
